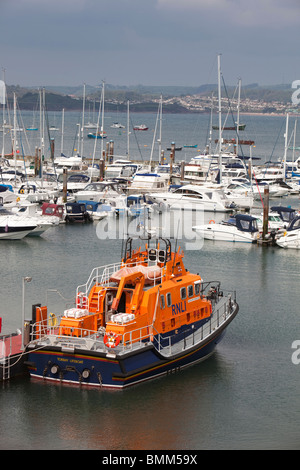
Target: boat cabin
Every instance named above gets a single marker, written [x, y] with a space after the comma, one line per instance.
[150, 292]
[120, 170]
[287, 214]
[243, 222]
[77, 212]
[56, 210]
[148, 182]
[294, 224]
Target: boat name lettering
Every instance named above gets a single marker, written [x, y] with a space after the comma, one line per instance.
[76, 361]
[180, 307]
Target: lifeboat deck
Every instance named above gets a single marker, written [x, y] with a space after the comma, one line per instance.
[94, 341]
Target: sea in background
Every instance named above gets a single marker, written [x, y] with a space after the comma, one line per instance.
[243, 397]
[267, 131]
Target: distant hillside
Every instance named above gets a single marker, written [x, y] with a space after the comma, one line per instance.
[123, 93]
[141, 98]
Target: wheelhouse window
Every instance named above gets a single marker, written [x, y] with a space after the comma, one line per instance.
[169, 299]
[197, 287]
[183, 293]
[190, 291]
[162, 302]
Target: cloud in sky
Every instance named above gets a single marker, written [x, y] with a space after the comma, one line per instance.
[248, 13]
[153, 42]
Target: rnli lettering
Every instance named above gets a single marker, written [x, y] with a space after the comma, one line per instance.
[180, 307]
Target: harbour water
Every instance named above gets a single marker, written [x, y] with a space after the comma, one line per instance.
[244, 397]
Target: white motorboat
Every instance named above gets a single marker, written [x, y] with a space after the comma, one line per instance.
[146, 182]
[275, 189]
[14, 229]
[291, 237]
[140, 127]
[293, 166]
[274, 221]
[286, 214]
[97, 210]
[31, 213]
[293, 185]
[237, 195]
[137, 205]
[172, 173]
[117, 125]
[71, 164]
[34, 191]
[240, 194]
[75, 182]
[238, 228]
[193, 197]
[7, 196]
[91, 125]
[99, 191]
[269, 172]
[121, 169]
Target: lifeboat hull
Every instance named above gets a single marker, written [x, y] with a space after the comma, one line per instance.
[111, 369]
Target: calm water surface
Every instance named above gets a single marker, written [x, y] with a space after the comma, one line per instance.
[244, 397]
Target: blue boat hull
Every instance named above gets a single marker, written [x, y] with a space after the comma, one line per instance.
[107, 369]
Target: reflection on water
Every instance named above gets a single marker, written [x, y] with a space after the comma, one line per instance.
[160, 416]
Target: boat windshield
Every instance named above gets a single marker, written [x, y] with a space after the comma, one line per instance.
[294, 225]
[94, 187]
[274, 218]
[248, 225]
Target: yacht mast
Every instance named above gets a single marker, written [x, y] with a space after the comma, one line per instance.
[102, 122]
[62, 131]
[43, 135]
[285, 145]
[15, 135]
[3, 101]
[220, 117]
[128, 129]
[294, 146]
[238, 117]
[97, 130]
[82, 121]
[160, 131]
[154, 135]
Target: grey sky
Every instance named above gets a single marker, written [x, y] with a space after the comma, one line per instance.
[150, 42]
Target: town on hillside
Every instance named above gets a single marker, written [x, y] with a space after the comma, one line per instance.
[204, 99]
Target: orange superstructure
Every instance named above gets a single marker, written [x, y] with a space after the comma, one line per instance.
[151, 293]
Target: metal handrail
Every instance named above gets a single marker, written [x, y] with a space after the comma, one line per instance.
[146, 334]
[102, 274]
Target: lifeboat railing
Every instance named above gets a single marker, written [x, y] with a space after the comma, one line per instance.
[101, 276]
[134, 339]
